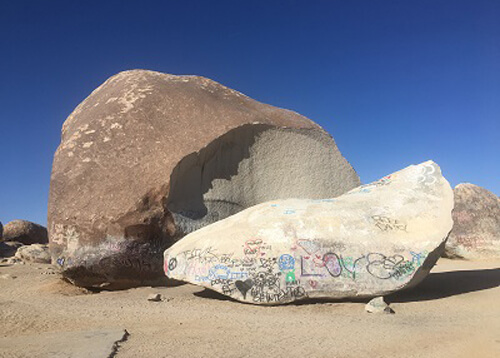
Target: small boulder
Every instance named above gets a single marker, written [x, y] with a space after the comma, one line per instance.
[376, 239]
[155, 297]
[378, 305]
[25, 232]
[476, 228]
[37, 253]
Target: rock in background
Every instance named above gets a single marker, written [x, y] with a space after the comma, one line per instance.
[25, 232]
[149, 157]
[374, 240]
[1, 231]
[476, 228]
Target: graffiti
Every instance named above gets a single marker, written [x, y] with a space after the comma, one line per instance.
[252, 247]
[308, 266]
[205, 255]
[275, 278]
[332, 264]
[244, 286]
[289, 212]
[309, 246]
[386, 224]
[383, 267]
[172, 264]
[60, 261]
[219, 271]
[290, 277]
[425, 175]
[286, 262]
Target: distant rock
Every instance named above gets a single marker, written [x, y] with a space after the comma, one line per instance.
[25, 232]
[378, 305]
[374, 240]
[1, 231]
[38, 253]
[476, 228]
[149, 157]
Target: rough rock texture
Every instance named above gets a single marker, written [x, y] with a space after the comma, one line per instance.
[149, 157]
[38, 253]
[476, 228]
[371, 241]
[25, 232]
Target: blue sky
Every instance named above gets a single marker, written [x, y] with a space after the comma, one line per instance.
[395, 82]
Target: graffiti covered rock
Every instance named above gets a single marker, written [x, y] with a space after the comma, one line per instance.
[476, 228]
[373, 240]
[149, 157]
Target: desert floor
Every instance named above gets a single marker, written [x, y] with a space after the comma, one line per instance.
[455, 312]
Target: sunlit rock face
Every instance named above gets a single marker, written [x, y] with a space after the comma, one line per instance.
[373, 240]
[476, 228]
[150, 157]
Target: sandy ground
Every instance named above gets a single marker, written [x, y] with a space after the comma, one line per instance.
[455, 312]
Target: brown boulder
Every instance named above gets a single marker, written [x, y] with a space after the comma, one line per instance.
[150, 157]
[25, 232]
[476, 228]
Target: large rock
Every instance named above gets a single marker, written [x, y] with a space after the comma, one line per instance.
[37, 253]
[476, 228]
[25, 232]
[374, 240]
[149, 157]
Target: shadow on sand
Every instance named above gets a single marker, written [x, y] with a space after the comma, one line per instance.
[445, 284]
[435, 286]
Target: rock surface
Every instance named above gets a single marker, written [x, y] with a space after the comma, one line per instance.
[476, 228]
[38, 253]
[25, 232]
[376, 239]
[149, 157]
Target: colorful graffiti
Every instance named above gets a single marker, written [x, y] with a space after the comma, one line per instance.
[260, 277]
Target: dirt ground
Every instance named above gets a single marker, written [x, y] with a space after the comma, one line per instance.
[455, 312]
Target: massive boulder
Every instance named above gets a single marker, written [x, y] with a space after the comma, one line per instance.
[371, 241]
[476, 228]
[25, 232]
[149, 157]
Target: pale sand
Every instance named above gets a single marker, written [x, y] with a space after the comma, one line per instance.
[455, 312]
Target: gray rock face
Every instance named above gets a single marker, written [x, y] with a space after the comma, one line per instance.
[149, 157]
[476, 228]
[38, 253]
[25, 232]
[373, 240]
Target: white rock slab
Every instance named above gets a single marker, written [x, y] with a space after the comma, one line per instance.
[373, 240]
